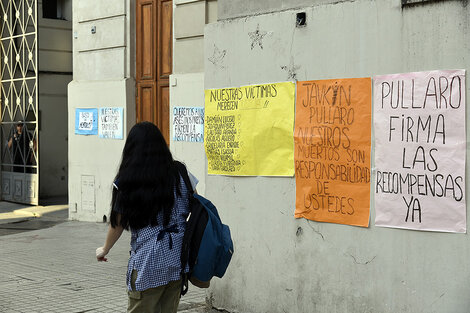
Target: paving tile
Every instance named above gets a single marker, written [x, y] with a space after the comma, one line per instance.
[54, 270]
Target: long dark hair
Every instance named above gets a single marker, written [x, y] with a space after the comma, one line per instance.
[146, 181]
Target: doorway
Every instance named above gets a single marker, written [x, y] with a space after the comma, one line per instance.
[154, 62]
[19, 101]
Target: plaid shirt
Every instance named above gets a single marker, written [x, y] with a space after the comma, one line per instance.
[155, 250]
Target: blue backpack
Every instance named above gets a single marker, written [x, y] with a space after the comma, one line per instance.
[207, 245]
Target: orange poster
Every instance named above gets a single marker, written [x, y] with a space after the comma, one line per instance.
[332, 150]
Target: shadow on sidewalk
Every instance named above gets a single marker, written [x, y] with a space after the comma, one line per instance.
[17, 218]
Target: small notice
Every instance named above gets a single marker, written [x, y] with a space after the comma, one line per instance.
[420, 146]
[188, 124]
[332, 150]
[110, 123]
[86, 121]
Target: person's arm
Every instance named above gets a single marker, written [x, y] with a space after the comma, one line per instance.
[33, 155]
[10, 141]
[113, 235]
[35, 146]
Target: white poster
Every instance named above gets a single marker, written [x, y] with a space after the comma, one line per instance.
[420, 147]
[85, 121]
[188, 124]
[110, 123]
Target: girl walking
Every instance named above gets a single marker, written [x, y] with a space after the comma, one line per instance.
[151, 200]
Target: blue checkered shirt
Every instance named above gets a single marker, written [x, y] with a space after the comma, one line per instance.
[155, 250]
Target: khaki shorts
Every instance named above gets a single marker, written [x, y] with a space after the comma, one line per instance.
[162, 299]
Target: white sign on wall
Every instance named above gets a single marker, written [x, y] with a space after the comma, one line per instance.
[110, 123]
[86, 121]
[420, 147]
[188, 124]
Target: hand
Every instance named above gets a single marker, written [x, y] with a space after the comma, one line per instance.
[101, 252]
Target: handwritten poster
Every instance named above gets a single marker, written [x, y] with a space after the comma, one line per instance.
[110, 123]
[248, 130]
[419, 122]
[188, 124]
[332, 150]
[86, 121]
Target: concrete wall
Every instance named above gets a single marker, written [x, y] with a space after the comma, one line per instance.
[106, 54]
[55, 72]
[187, 81]
[92, 158]
[286, 265]
[104, 65]
[241, 8]
[104, 70]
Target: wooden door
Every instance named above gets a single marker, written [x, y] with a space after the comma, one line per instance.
[154, 62]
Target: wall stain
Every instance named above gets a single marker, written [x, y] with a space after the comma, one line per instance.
[437, 299]
[316, 231]
[291, 70]
[361, 263]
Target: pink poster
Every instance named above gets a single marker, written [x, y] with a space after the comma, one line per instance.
[420, 148]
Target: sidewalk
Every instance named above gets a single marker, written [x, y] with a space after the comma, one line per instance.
[17, 218]
[55, 270]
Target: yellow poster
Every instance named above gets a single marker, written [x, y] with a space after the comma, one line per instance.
[248, 131]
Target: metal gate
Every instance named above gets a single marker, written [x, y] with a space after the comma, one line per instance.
[19, 101]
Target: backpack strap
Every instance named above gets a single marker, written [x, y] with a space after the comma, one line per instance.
[185, 245]
[184, 173]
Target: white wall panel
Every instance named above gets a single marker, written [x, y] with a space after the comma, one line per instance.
[283, 264]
